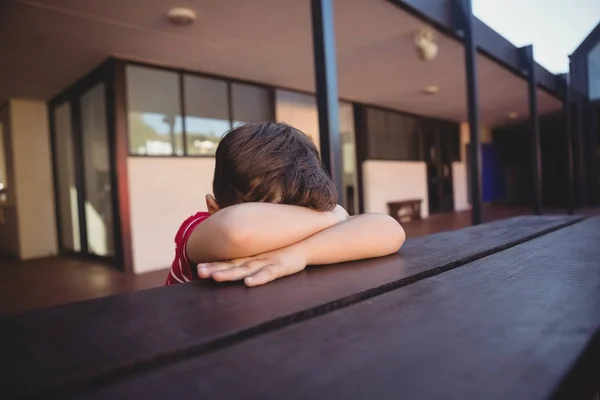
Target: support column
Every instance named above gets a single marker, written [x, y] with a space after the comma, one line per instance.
[567, 110]
[327, 92]
[528, 64]
[464, 14]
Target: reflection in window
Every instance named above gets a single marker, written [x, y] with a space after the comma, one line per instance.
[349, 179]
[155, 124]
[2, 166]
[207, 114]
[594, 72]
[300, 111]
[65, 178]
[250, 104]
[96, 163]
[392, 135]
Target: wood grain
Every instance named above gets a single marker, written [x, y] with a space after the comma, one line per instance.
[510, 326]
[56, 349]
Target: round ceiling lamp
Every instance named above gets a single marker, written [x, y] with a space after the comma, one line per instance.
[431, 89]
[181, 16]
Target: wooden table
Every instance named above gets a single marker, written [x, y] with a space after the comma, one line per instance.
[507, 310]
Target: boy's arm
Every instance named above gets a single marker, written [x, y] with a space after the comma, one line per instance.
[248, 229]
[363, 236]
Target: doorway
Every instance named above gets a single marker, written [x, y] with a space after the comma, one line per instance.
[82, 173]
[438, 153]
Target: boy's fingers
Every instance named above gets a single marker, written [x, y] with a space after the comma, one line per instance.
[239, 272]
[265, 275]
[206, 270]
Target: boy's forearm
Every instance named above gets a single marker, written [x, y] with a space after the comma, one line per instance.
[363, 236]
[262, 227]
[248, 229]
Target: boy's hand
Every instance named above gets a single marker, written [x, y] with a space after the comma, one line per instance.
[256, 270]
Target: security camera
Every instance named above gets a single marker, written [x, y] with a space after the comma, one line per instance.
[425, 45]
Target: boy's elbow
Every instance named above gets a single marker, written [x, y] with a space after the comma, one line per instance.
[395, 234]
[234, 238]
[232, 235]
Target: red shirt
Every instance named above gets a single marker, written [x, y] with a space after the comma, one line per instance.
[182, 269]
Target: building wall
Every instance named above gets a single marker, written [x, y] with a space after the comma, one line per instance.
[485, 133]
[460, 171]
[460, 186]
[386, 181]
[33, 185]
[152, 184]
[163, 192]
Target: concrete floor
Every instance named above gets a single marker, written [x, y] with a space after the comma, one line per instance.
[46, 282]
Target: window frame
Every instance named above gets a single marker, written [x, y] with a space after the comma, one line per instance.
[181, 87]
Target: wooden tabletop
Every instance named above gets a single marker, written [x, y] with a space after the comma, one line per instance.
[509, 309]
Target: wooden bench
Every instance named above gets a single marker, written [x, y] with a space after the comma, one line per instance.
[504, 310]
[406, 210]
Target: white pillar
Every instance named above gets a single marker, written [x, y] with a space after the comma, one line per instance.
[33, 184]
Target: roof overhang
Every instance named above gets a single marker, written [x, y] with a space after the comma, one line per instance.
[51, 44]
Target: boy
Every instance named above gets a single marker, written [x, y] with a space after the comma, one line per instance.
[273, 213]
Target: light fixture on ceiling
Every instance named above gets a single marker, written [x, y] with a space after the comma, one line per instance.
[513, 115]
[181, 16]
[425, 44]
[432, 89]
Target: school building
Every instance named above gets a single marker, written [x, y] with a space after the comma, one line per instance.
[110, 113]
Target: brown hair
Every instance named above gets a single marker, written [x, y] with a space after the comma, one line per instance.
[271, 162]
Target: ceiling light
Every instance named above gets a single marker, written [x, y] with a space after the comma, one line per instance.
[425, 44]
[181, 16]
[431, 89]
[513, 115]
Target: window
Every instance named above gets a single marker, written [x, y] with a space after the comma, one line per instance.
[207, 114]
[376, 133]
[300, 111]
[3, 183]
[65, 176]
[349, 179]
[250, 104]
[594, 72]
[96, 165]
[153, 101]
[397, 136]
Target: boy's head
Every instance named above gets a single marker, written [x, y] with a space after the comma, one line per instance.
[270, 162]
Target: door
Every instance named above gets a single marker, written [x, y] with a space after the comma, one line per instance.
[83, 173]
[438, 155]
[97, 194]
[431, 155]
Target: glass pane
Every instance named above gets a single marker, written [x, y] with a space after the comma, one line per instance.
[594, 72]
[207, 114]
[154, 112]
[350, 194]
[250, 104]
[96, 164]
[300, 111]
[376, 133]
[3, 183]
[65, 176]
[396, 147]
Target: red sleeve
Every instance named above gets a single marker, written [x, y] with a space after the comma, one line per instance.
[181, 269]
